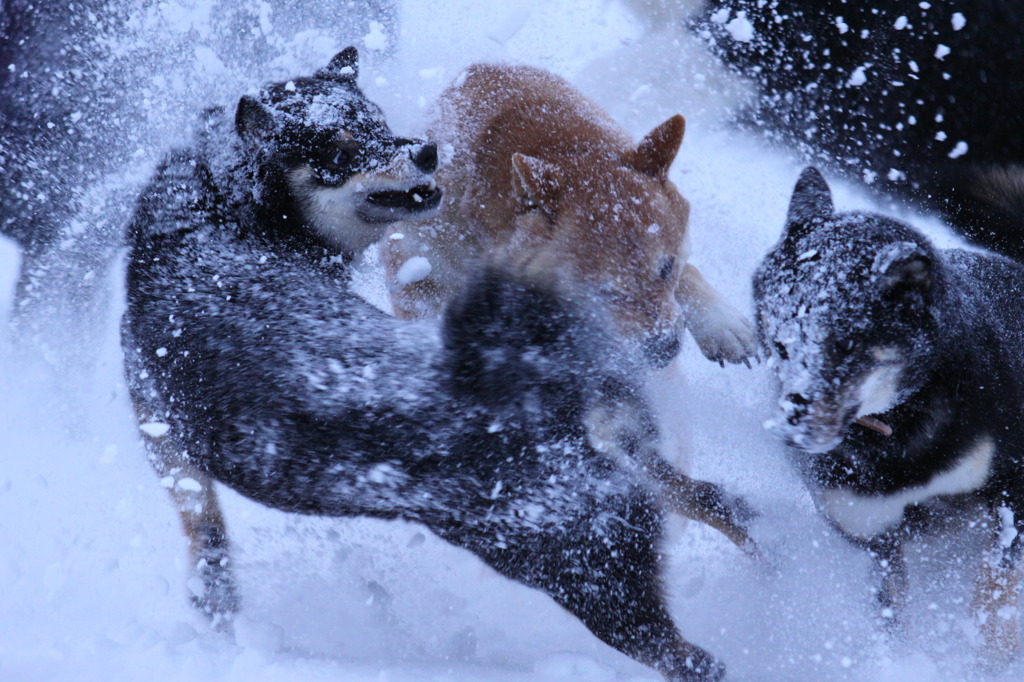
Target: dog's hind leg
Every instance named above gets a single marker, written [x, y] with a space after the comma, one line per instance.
[998, 590]
[625, 609]
[606, 570]
[610, 578]
[722, 332]
[195, 499]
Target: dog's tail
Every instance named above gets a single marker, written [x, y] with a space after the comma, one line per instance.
[516, 339]
[985, 203]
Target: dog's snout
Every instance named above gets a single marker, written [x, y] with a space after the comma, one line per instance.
[424, 157]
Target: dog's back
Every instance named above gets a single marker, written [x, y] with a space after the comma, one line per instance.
[290, 388]
[916, 99]
[259, 368]
[497, 111]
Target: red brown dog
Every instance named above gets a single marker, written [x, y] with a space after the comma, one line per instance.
[538, 170]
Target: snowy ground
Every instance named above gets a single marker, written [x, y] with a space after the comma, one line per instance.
[92, 568]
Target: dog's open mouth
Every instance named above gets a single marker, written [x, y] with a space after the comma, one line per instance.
[874, 424]
[390, 205]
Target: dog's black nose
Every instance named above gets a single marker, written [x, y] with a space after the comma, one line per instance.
[797, 408]
[425, 157]
[660, 349]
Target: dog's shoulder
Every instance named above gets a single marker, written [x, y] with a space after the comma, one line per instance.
[190, 187]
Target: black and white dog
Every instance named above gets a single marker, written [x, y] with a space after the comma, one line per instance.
[517, 433]
[901, 374]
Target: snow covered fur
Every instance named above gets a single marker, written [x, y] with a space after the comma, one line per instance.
[901, 376]
[252, 363]
[537, 167]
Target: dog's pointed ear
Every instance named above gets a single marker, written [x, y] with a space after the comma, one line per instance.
[904, 265]
[253, 121]
[535, 183]
[656, 152]
[343, 67]
[811, 202]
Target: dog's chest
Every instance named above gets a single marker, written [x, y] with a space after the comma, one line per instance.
[866, 516]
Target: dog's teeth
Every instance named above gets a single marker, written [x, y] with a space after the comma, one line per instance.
[875, 425]
[432, 185]
[417, 198]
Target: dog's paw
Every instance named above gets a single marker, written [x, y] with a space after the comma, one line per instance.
[741, 513]
[723, 334]
[738, 515]
[711, 504]
[215, 595]
[699, 666]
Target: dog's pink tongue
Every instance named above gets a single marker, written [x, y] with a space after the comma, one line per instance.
[875, 425]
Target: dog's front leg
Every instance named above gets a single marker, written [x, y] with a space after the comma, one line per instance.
[722, 332]
[706, 502]
[998, 591]
[624, 428]
[413, 295]
[418, 279]
[891, 571]
[211, 582]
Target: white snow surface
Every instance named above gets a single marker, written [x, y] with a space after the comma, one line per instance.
[93, 567]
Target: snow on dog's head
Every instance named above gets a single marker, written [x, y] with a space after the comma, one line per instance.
[348, 174]
[845, 312]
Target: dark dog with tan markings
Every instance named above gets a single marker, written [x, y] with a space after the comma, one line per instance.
[519, 433]
[901, 374]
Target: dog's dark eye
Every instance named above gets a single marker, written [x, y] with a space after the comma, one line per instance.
[342, 158]
[668, 266]
[332, 162]
[781, 350]
[843, 346]
[332, 157]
